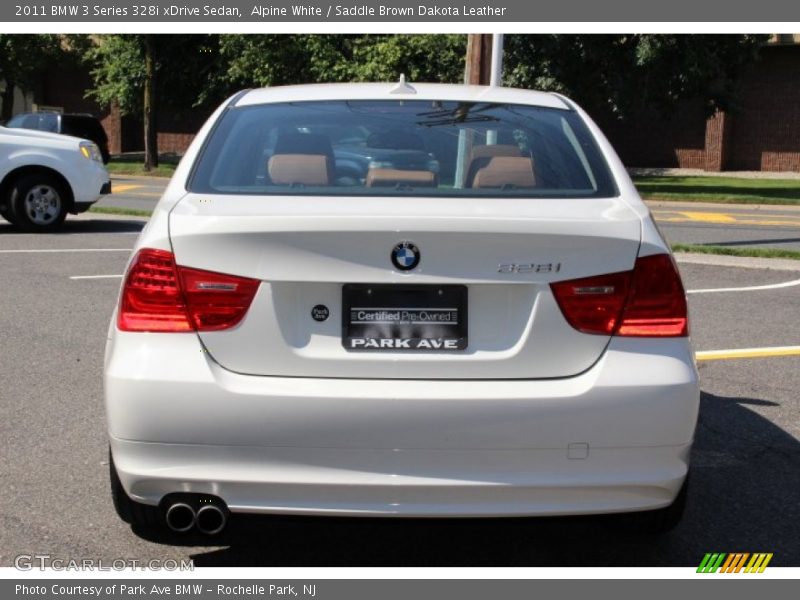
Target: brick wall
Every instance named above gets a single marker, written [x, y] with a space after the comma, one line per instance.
[762, 132]
[766, 127]
[654, 140]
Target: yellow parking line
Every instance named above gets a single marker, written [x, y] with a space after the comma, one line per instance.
[757, 215]
[748, 353]
[688, 216]
[125, 187]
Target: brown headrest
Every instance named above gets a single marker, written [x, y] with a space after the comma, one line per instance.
[506, 170]
[495, 150]
[392, 177]
[305, 169]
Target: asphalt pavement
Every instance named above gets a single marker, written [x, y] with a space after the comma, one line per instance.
[54, 495]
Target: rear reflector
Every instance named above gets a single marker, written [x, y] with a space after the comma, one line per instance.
[646, 302]
[160, 296]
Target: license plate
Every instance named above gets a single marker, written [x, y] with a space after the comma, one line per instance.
[404, 317]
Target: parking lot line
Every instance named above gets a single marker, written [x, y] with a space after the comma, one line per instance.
[63, 250]
[731, 218]
[748, 353]
[750, 288]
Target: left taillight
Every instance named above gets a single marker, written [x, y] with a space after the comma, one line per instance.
[160, 296]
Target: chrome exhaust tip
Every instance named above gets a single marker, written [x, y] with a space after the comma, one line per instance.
[180, 517]
[211, 519]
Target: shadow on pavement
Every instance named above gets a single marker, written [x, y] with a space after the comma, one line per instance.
[744, 497]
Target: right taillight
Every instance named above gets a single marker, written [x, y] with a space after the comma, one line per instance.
[657, 302]
[646, 302]
[160, 296]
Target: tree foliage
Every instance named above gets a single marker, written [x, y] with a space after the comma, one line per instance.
[262, 60]
[184, 65]
[616, 75]
[23, 58]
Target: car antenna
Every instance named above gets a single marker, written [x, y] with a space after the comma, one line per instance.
[402, 87]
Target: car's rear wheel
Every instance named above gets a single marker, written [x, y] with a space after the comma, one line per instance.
[38, 202]
[140, 516]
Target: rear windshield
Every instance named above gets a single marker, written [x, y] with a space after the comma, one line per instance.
[402, 148]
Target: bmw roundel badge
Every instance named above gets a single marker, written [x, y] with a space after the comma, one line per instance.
[405, 256]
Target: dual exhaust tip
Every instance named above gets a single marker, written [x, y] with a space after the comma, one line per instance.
[209, 518]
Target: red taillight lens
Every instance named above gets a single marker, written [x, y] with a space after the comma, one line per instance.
[657, 304]
[151, 297]
[216, 301]
[593, 304]
[161, 296]
[646, 302]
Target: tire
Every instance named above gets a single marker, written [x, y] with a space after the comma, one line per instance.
[6, 214]
[141, 517]
[38, 203]
[655, 522]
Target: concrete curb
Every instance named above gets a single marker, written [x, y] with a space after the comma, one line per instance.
[88, 216]
[746, 262]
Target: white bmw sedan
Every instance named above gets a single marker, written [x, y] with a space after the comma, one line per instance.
[366, 299]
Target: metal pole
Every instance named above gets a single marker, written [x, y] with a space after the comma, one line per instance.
[496, 78]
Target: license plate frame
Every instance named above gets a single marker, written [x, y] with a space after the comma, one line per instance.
[404, 317]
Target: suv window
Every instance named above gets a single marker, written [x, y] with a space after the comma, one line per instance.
[402, 147]
[84, 127]
[38, 121]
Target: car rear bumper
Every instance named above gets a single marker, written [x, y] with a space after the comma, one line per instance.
[615, 438]
[414, 483]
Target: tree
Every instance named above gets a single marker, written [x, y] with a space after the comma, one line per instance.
[22, 60]
[613, 76]
[265, 60]
[127, 69]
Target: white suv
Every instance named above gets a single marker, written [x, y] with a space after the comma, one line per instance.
[418, 301]
[44, 176]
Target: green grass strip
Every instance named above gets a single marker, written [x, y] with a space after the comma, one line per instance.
[136, 168]
[116, 210]
[726, 190]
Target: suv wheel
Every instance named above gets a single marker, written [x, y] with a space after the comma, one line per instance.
[38, 202]
[6, 214]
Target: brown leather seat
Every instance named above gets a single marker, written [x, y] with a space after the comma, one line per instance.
[302, 159]
[393, 177]
[480, 155]
[500, 171]
[490, 150]
[299, 169]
